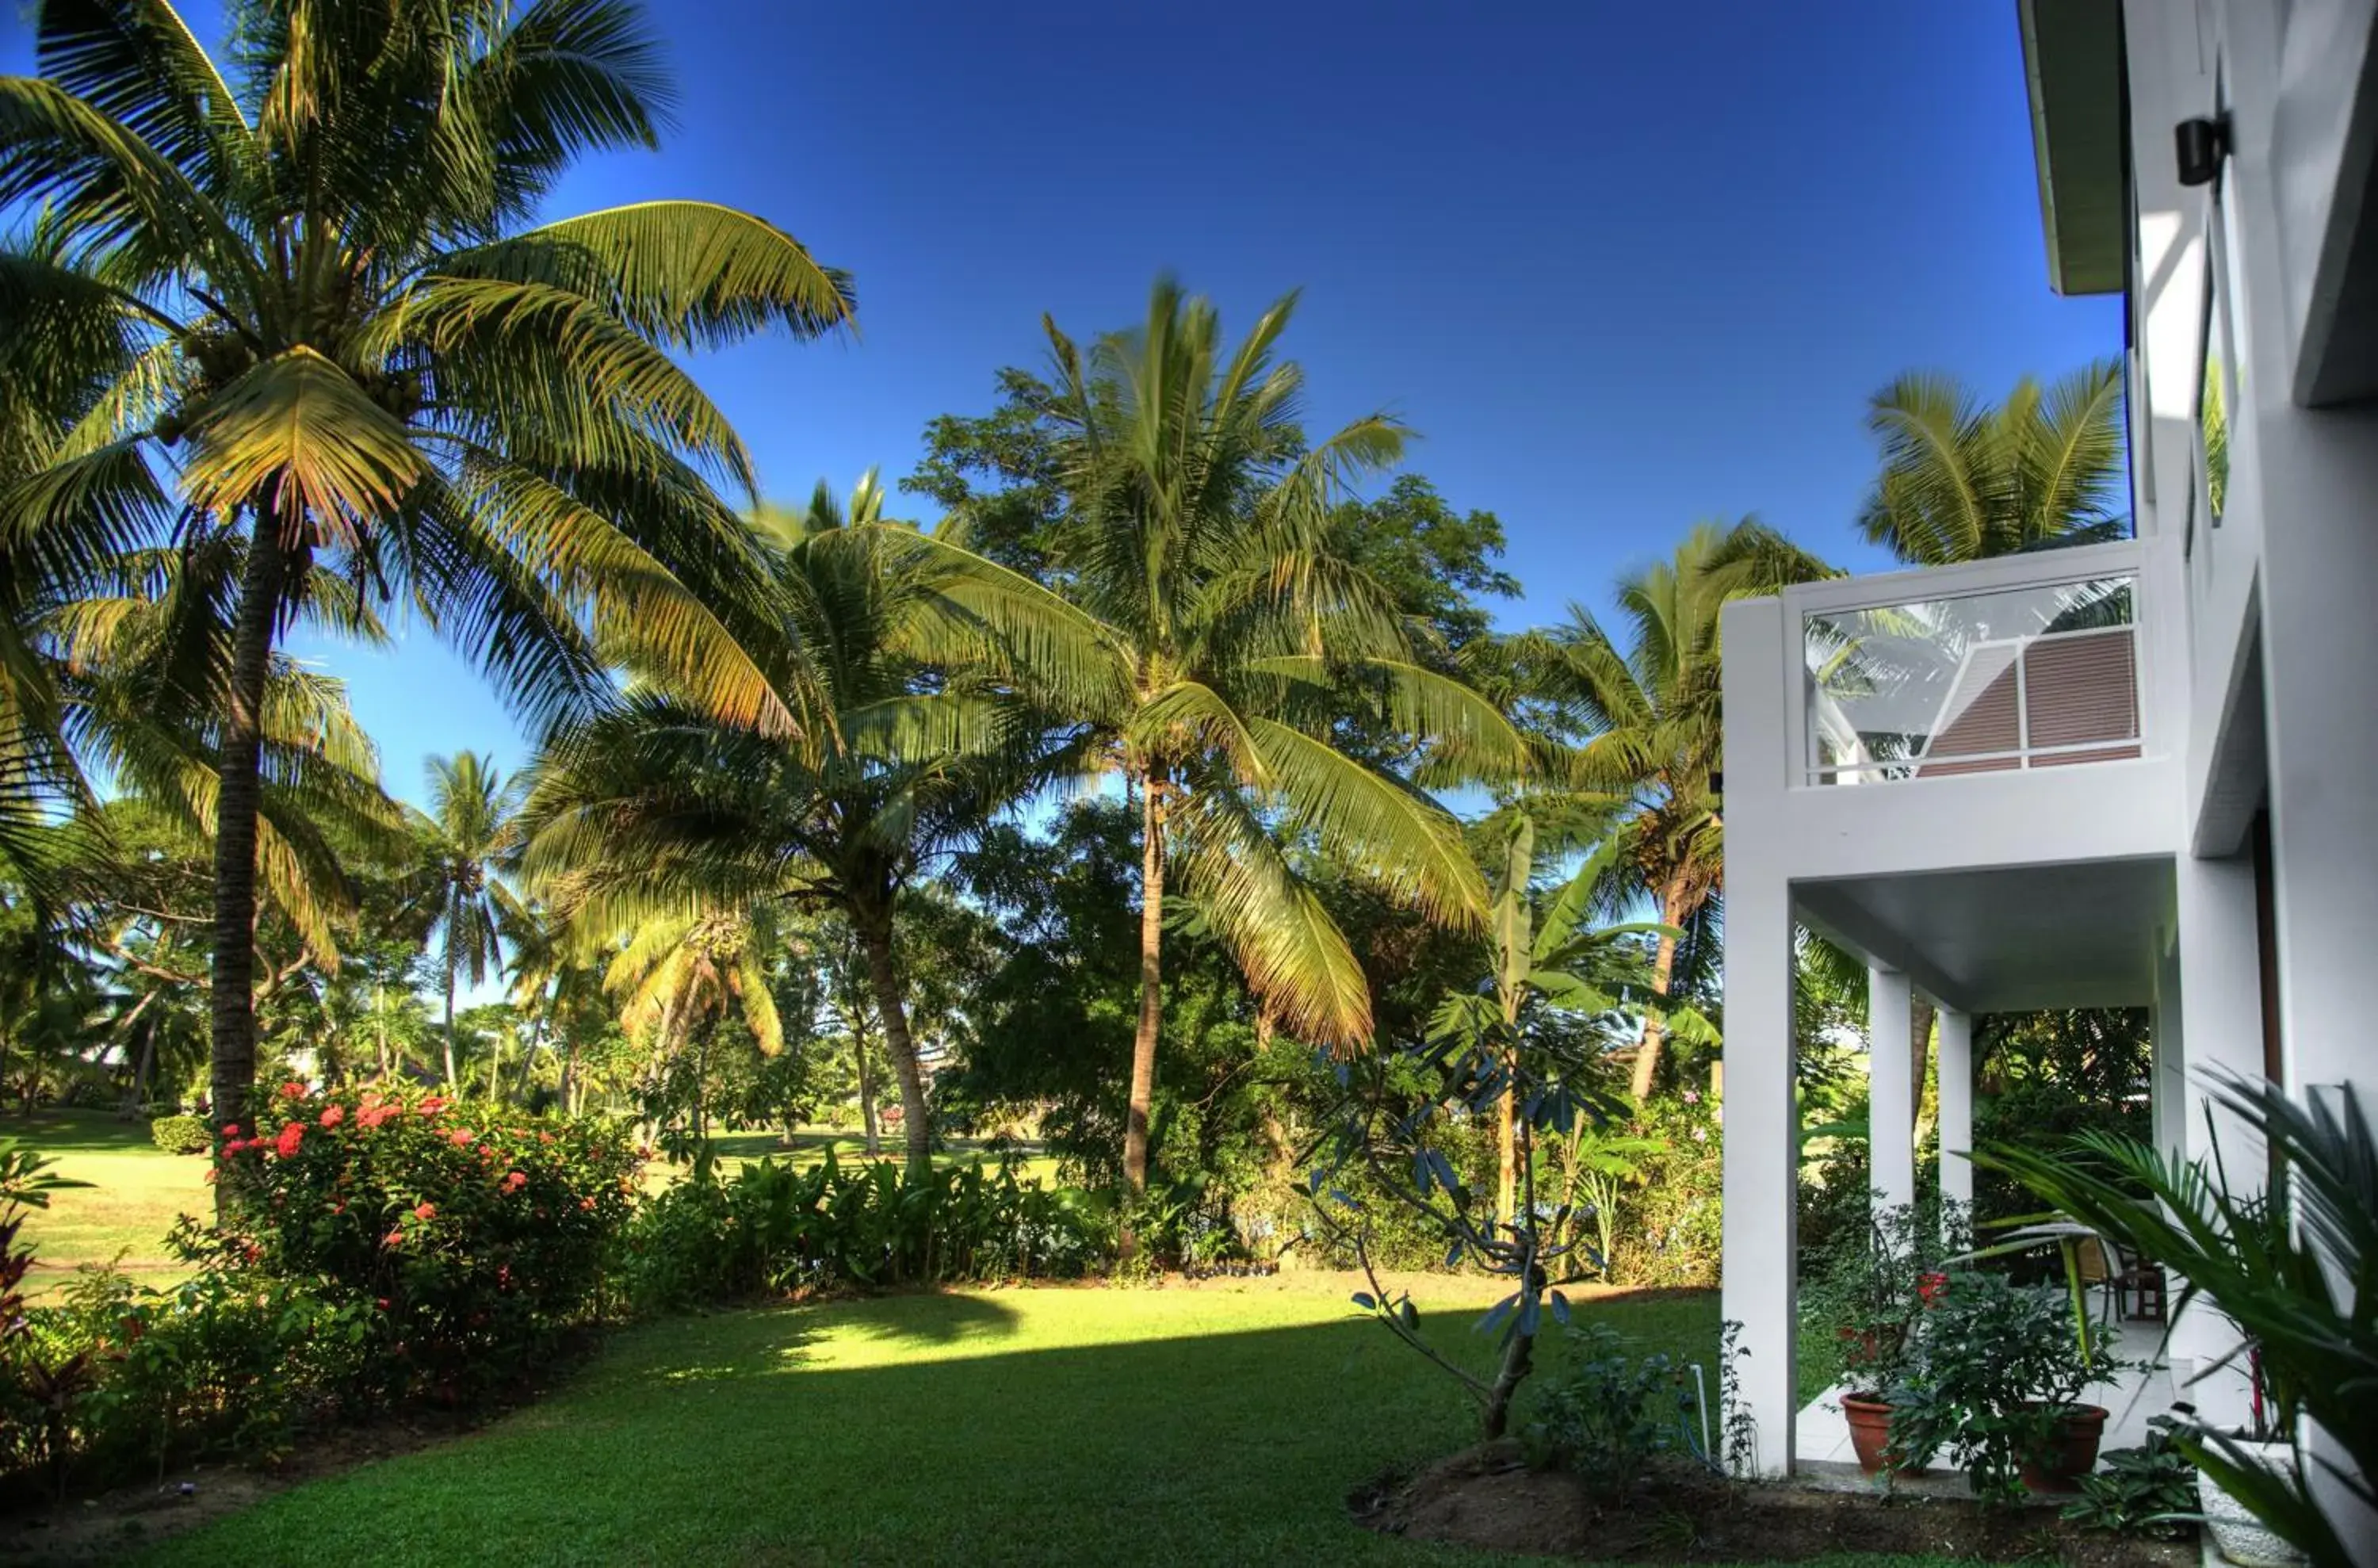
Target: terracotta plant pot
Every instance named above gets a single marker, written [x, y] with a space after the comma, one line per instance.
[1870, 1421]
[2072, 1450]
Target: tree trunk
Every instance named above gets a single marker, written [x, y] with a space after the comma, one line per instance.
[1919, 1051]
[1151, 985]
[451, 1080]
[239, 798]
[1507, 1114]
[866, 1093]
[875, 935]
[528, 1060]
[1663, 965]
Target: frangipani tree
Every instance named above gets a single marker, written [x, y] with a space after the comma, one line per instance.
[306, 299]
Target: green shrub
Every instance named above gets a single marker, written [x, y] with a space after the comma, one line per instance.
[2148, 1490]
[776, 1229]
[1612, 1412]
[180, 1135]
[474, 1241]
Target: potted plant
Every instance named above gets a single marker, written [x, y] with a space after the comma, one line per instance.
[1860, 1302]
[1994, 1380]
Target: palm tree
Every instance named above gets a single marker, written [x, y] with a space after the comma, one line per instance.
[1963, 481]
[1219, 641]
[471, 832]
[656, 808]
[307, 302]
[1653, 732]
[679, 974]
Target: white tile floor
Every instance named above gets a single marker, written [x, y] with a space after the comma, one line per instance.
[1821, 1435]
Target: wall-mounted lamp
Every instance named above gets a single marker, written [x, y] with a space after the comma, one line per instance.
[2202, 144]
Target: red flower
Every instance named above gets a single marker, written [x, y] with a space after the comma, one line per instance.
[432, 1105]
[544, 1137]
[461, 1137]
[586, 1203]
[231, 1129]
[293, 1091]
[334, 1115]
[291, 1136]
[392, 1238]
[425, 1211]
[1931, 1287]
[515, 1181]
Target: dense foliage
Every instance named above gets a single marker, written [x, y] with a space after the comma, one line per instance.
[475, 1242]
[773, 1229]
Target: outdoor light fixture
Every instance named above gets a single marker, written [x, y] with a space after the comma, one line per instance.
[2201, 145]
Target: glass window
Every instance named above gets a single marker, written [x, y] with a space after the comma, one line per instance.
[2032, 677]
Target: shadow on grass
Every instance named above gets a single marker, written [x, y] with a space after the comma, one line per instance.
[53, 1131]
[1050, 1427]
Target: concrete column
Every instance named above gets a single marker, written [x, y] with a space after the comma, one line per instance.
[1956, 1104]
[1890, 1127]
[2220, 1019]
[1761, 1112]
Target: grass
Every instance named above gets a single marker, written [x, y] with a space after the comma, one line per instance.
[136, 1192]
[1223, 1423]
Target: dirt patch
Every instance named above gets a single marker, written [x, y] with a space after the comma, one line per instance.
[105, 1527]
[1487, 1499]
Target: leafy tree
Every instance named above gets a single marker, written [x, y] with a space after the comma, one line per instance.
[471, 829]
[306, 303]
[1964, 482]
[1219, 637]
[1652, 733]
[1435, 562]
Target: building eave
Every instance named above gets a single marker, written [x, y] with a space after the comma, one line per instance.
[2072, 71]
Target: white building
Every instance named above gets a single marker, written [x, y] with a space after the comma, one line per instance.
[2142, 773]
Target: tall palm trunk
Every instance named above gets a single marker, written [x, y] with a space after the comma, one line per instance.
[238, 799]
[450, 1024]
[1919, 1053]
[867, 1122]
[1151, 982]
[874, 923]
[1663, 965]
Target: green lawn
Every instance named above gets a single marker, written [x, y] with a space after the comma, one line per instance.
[137, 1190]
[1216, 1424]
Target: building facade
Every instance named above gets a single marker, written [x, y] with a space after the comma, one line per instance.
[2133, 773]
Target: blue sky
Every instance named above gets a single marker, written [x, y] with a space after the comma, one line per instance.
[1623, 267]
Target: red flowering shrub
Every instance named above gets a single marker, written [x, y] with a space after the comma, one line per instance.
[473, 1249]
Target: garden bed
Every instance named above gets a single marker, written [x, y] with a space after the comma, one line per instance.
[1487, 1499]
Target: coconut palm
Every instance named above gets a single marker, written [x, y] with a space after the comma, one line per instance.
[463, 843]
[307, 301]
[1218, 642]
[1964, 482]
[681, 974]
[657, 809]
[1653, 735]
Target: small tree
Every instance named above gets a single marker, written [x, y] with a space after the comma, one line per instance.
[1529, 1047]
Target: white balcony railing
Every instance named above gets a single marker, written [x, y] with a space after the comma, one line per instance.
[2023, 663]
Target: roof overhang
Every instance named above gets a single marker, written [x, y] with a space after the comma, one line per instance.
[2072, 68]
